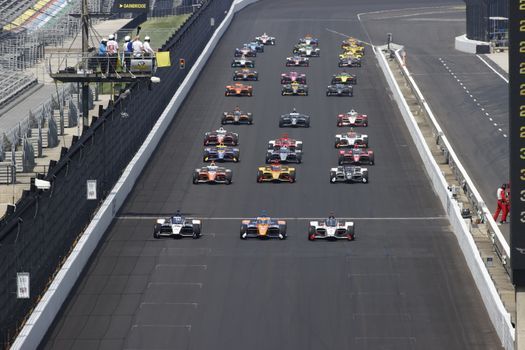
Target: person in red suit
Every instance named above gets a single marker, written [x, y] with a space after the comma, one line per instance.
[503, 205]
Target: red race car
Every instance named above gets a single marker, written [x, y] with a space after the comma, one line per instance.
[352, 119]
[221, 136]
[290, 77]
[238, 89]
[356, 156]
[285, 141]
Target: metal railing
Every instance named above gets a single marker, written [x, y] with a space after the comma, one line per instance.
[501, 247]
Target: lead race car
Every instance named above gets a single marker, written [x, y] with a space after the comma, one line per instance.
[284, 155]
[212, 174]
[351, 139]
[245, 51]
[331, 229]
[221, 136]
[243, 63]
[290, 77]
[263, 227]
[265, 39]
[297, 61]
[245, 74]
[285, 141]
[352, 118]
[177, 226]
[276, 172]
[237, 117]
[340, 90]
[309, 40]
[294, 119]
[349, 174]
[294, 89]
[221, 153]
[344, 78]
[356, 156]
[238, 89]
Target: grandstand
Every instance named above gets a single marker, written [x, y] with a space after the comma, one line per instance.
[14, 84]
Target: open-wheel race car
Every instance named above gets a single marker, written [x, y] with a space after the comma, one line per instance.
[284, 155]
[351, 139]
[276, 172]
[309, 40]
[220, 153]
[285, 141]
[221, 136]
[265, 39]
[290, 77]
[256, 46]
[331, 229]
[351, 41]
[349, 174]
[237, 117]
[177, 226]
[245, 51]
[243, 63]
[304, 50]
[294, 119]
[238, 89]
[212, 174]
[263, 227]
[350, 61]
[294, 89]
[340, 90]
[297, 61]
[245, 74]
[356, 156]
[344, 78]
[352, 118]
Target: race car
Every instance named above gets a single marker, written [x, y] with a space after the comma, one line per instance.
[356, 156]
[220, 153]
[237, 117]
[284, 155]
[245, 51]
[309, 40]
[349, 174]
[243, 63]
[351, 139]
[354, 49]
[177, 226]
[294, 89]
[238, 89]
[331, 229]
[344, 78]
[351, 53]
[276, 172]
[294, 119]
[352, 119]
[297, 61]
[221, 136]
[290, 77]
[212, 174]
[265, 39]
[256, 46]
[350, 41]
[340, 90]
[263, 227]
[245, 75]
[285, 141]
[304, 50]
[349, 61]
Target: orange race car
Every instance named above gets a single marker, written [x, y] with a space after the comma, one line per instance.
[238, 89]
[263, 227]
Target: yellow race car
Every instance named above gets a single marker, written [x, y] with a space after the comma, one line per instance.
[355, 50]
[351, 42]
[276, 172]
[348, 54]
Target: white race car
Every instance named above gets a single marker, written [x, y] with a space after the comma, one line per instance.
[177, 226]
[331, 229]
[351, 139]
[265, 39]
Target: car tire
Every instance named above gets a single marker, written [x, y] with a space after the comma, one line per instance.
[311, 233]
[195, 179]
[243, 230]
[259, 176]
[365, 180]
[156, 231]
[332, 177]
[196, 231]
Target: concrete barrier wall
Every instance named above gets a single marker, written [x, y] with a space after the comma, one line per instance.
[42, 317]
[499, 316]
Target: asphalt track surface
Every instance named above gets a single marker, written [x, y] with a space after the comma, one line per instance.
[468, 99]
[403, 284]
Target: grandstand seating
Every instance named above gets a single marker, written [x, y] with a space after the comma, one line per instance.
[36, 15]
[13, 84]
[11, 9]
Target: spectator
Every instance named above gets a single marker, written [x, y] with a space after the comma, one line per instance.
[138, 47]
[102, 48]
[502, 204]
[148, 51]
[112, 45]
